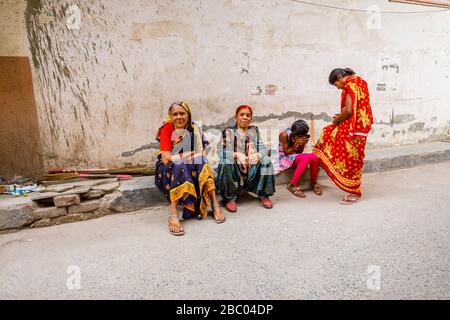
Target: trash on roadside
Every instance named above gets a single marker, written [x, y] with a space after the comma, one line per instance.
[18, 190]
[7, 188]
[17, 185]
[24, 191]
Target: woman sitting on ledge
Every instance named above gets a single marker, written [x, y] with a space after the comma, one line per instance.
[244, 163]
[182, 173]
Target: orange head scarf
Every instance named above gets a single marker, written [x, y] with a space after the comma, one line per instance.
[244, 106]
[182, 104]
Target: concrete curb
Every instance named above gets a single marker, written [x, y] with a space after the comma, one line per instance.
[141, 192]
[392, 158]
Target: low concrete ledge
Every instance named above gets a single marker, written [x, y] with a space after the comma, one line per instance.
[392, 158]
[141, 192]
[137, 194]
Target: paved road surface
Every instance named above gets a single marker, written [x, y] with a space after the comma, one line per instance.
[397, 240]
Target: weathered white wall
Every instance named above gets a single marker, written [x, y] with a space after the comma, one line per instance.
[104, 88]
[13, 36]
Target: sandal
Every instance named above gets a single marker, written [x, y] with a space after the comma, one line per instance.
[267, 203]
[176, 226]
[350, 199]
[220, 219]
[296, 191]
[316, 189]
[231, 206]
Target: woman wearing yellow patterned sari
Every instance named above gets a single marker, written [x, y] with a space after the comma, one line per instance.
[182, 173]
[341, 146]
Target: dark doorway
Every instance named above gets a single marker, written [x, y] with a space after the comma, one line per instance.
[20, 152]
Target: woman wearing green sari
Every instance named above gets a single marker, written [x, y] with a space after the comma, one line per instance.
[244, 163]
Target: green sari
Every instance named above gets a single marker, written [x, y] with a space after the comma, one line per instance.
[233, 177]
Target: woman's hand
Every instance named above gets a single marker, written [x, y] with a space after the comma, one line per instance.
[299, 144]
[176, 158]
[187, 156]
[301, 141]
[166, 157]
[254, 158]
[346, 112]
[241, 158]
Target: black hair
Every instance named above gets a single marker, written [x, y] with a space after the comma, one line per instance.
[299, 128]
[339, 72]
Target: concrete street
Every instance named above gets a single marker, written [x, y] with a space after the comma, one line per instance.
[309, 248]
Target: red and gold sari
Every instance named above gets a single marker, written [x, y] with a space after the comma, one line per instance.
[341, 148]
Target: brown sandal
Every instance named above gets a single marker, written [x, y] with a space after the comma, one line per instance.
[316, 189]
[177, 226]
[219, 220]
[296, 191]
[350, 199]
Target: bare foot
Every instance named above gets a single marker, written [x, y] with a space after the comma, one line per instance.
[175, 226]
[218, 214]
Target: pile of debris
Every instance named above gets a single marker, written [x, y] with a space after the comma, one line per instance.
[50, 192]
[76, 194]
[123, 173]
[23, 186]
[58, 202]
[71, 195]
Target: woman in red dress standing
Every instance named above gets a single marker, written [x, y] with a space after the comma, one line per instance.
[341, 145]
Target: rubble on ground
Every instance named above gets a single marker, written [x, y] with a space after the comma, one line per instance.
[66, 196]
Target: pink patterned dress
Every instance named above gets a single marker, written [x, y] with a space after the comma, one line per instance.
[284, 161]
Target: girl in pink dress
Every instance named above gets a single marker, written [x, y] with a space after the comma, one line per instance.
[292, 142]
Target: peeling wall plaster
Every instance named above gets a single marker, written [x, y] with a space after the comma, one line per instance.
[103, 88]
